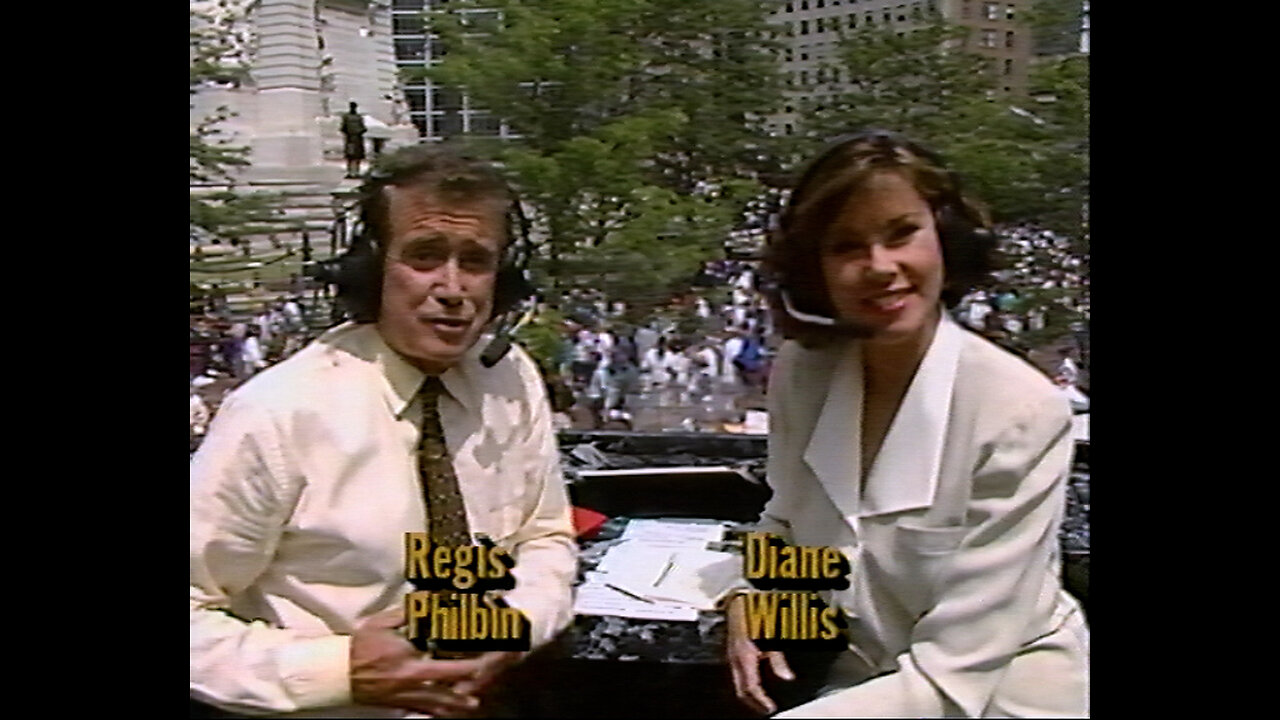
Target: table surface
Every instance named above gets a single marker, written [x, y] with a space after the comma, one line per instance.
[606, 637]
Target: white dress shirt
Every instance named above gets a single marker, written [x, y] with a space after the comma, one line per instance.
[304, 488]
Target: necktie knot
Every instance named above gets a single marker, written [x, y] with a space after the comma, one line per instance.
[431, 388]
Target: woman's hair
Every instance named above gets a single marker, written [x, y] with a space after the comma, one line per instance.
[793, 255]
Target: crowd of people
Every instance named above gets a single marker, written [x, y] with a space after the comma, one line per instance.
[1043, 277]
[687, 356]
[223, 348]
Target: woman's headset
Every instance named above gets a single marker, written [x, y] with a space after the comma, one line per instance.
[357, 273]
[966, 242]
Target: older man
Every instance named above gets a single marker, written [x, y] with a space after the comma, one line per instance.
[313, 472]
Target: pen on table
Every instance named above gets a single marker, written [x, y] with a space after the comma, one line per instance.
[665, 570]
[628, 593]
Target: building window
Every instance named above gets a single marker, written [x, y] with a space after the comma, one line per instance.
[1008, 66]
[991, 11]
[822, 3]
[888, 16]
[446, 125]
[483, 124]
[804, 78]
[791, 7]
[853, 20]
[411, 49]
[416, 99]
[804, 56]
[1008, 12]
[820, 27]
[445, 99]
[804, 4]
[1008, 39]
[990, 38]
[410, 24]
[804, 27]
[902, 13]
[870, 19]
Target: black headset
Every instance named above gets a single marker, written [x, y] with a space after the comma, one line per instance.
[965, 242]
[357, 273]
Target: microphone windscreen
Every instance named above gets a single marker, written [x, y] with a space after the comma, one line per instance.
[495, 351]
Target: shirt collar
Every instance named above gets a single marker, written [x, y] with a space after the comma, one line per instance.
[403, 380]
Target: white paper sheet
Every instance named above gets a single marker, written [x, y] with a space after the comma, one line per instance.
[673, 534]
[698, 578]
[595, 598]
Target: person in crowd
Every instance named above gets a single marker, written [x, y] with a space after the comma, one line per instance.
[232, 349]
[254, 358]
[604, 342]
[1068, 372]
[677, 365]
[313, 472]
[732, 346]
[597, 387]
[979, 309]
[645, 338]
[750, 360]
[623, 380]
[585, 359]
[935, 461]
[199, 417]
[293, 316]
[263, 321]
[707, 368]
[653, 370]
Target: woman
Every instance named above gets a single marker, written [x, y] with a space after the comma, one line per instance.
[935, 461]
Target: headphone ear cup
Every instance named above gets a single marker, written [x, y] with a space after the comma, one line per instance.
[510, 287]
[966, 248]
[359, 281]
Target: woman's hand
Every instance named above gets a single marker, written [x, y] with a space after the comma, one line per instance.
[745, 659]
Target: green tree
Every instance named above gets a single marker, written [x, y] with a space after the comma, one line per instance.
[920, 82]
[216, 55]
[640, 122]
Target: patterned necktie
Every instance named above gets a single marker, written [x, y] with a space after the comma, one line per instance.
[446, 513]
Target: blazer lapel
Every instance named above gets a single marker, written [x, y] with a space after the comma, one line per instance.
[834, 448]
[904, 475]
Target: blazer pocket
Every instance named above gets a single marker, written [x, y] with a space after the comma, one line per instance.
[922, 555]
[929, 541]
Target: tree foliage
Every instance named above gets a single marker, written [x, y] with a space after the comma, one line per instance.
[217, 55]
[640, 123]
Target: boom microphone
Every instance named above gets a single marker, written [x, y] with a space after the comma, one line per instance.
[501, 342]
[837, 326]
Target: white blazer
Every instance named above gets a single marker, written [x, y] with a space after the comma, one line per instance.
[955, 599]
